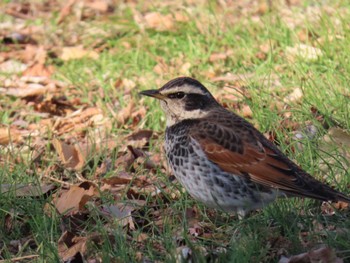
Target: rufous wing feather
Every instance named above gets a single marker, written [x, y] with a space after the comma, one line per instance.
[264, 166]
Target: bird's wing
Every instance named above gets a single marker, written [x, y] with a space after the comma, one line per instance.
[241, 152]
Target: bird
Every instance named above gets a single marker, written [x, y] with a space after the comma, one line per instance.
[221, 159]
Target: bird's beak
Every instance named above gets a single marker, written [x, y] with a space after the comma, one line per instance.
[153, 93]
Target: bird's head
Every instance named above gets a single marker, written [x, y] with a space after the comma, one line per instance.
[183, 98]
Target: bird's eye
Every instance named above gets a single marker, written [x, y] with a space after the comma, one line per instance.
[176, 95]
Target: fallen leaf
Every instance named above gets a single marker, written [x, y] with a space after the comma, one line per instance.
[181, 17]
[39, 69]
[246, 111]
[125, 113]
[8, 135]
[116, 180]
[70, 155]
[324, 255]
[59, 106]
[78, 52]
[184, 69]
[99, 5]
[69, 245]
[21, 190]
[69, 202]
[220, 56]
[18, 38]
[65, 11]
[303, 51]
[142, 237]
[230, 77]
[128, 84]
[139, 139]
[104, 168]
[159, 21]
[12, 67]
[78, 121]
[295, 96]
[28, 90]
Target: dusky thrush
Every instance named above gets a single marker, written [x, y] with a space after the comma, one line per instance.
[221, 159]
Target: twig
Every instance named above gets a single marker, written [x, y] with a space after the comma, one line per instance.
[19, 258]
[57, 181]
[17, 15]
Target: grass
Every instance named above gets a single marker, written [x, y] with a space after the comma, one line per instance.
[131, 53]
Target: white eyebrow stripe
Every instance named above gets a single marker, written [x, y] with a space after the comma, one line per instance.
[184, 88]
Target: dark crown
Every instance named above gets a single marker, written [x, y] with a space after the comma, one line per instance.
[178, 82]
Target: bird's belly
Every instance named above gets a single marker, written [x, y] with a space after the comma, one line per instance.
[208, 183]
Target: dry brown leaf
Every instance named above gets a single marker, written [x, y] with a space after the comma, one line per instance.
[12, 67]
[305, 52]
[78, 52]
[139, 139]
[220, 56]
[56, 105]
[116, 180]
[181, 17]
[79, 120]
[65, 11]
[28, 90]
[341, 205]
[160, 68]
[140, 135]
[128, 84]
[159, 21]
[230, 77]
[98, 5]
[8, 135]
[118, 184]
[323, 255]
[26, 190]
[246, 111]
[69, 202]
[184, 69]
[69, 245]
[104, 168]
[142, 237]
[125, 113]
[70, 155]
[40, 70]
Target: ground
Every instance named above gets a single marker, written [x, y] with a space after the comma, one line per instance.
[83, 170]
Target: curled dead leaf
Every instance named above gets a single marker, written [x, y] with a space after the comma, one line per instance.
[70, 155]
[8, 135]
[69, 245]
[69, 202]
[39, 69]
[323, 254]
